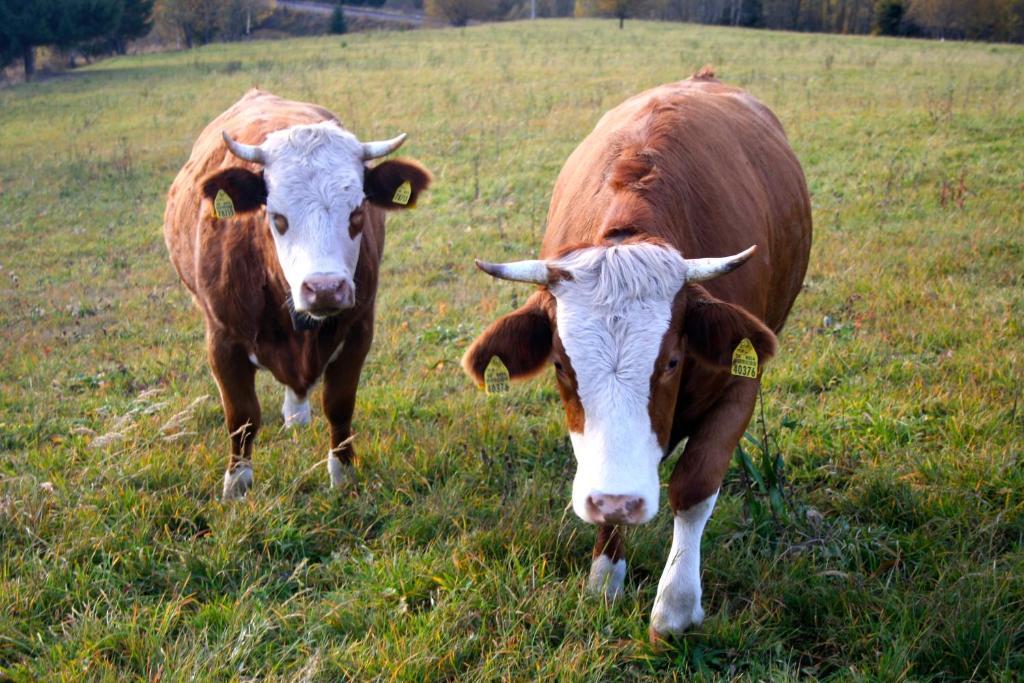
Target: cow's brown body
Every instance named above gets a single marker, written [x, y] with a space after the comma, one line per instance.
[725, 178]
[231, 269]
[695, 171]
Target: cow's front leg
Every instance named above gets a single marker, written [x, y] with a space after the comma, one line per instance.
[341, 379]
[608, 567]
[236, 380]
[692, 492]
[677, 606]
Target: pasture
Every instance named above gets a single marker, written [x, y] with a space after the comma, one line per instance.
[896, 398]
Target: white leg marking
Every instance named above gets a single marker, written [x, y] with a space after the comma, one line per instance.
[237, 483]
[295, 410]
[606, 577]
[338, 471]
[677, 606]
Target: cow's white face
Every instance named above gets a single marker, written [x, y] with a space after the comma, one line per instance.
[314, 179]
[617, 319]
[612, 315]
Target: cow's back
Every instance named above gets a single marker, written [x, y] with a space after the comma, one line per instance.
[722, 177]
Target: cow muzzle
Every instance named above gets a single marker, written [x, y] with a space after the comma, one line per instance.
[325, 294]
[616, 509]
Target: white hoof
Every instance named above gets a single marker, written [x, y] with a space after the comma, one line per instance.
[237, 483]
[674, 613]
[295, 410]
[606, 577]
[339, 472]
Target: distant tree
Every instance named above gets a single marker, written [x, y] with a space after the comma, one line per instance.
[455, 12]
[620, 9]
[194, 22]
[888, 20]
[28, 24]
[235, 19]
[136, 22]
[338, 24]
[944, 18]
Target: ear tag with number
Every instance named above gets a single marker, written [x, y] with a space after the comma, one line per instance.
[223, 207]
[496, 377]
[744, 360]
[403, 193]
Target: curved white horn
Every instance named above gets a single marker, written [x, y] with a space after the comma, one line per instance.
[701, 269]
[373, 150]
[247, 152]
[518, 271]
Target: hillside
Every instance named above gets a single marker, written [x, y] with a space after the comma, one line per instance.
[896, 398]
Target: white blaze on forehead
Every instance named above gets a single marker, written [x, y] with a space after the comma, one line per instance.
[314, 176]
[612, 315]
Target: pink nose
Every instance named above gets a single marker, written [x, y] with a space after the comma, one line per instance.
[613, 509]
[323, 293]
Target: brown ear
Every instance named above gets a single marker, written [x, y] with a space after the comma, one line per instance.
[382, 182]
[521, 339]
[714, 328]
[247, 190]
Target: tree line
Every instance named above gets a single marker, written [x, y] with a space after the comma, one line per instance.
[988, 20]
[97, 27]
[93, 26]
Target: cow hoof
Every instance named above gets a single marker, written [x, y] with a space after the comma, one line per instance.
[339, 472]
[295, 410]
[237, 483]
[668, 621]
[606, 577]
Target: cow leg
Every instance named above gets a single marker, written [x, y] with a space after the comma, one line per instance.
[295, 409]
[236, 380]
[341, 379]
[693, 490]
[608, 567]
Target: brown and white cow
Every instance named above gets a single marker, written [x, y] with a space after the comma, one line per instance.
[640, 311]
[288, 283]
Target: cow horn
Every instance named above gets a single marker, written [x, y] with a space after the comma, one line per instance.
[252, 153]
[701, 269]
[518, 271]
[373, 150]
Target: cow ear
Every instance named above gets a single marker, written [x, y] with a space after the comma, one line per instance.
[396, 183]
[714, 328]
[522, 340]
[247, 190]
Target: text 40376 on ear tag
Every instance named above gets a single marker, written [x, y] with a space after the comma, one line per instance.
[744, 360]
[496, 377]
[223, 207]
[403, 193]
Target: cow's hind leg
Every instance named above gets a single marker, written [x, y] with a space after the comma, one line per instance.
[236, 379]
[608, 566]
[341, 379]
[295, 409]
[693, 490]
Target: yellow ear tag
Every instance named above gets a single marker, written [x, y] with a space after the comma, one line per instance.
[744, 360]
[223, 207]
[496, 377]
[403, 193]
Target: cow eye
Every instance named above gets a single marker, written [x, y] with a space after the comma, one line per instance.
[673, 363]
[280, 222]
[558, 365]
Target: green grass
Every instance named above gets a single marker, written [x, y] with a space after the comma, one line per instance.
[901, 420]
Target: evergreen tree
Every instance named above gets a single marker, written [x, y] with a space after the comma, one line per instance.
[338, 23]
[28, 24]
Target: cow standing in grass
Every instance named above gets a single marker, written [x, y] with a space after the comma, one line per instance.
[640, 310]
[276, 226]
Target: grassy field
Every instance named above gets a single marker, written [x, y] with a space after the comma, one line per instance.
[895, 400]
